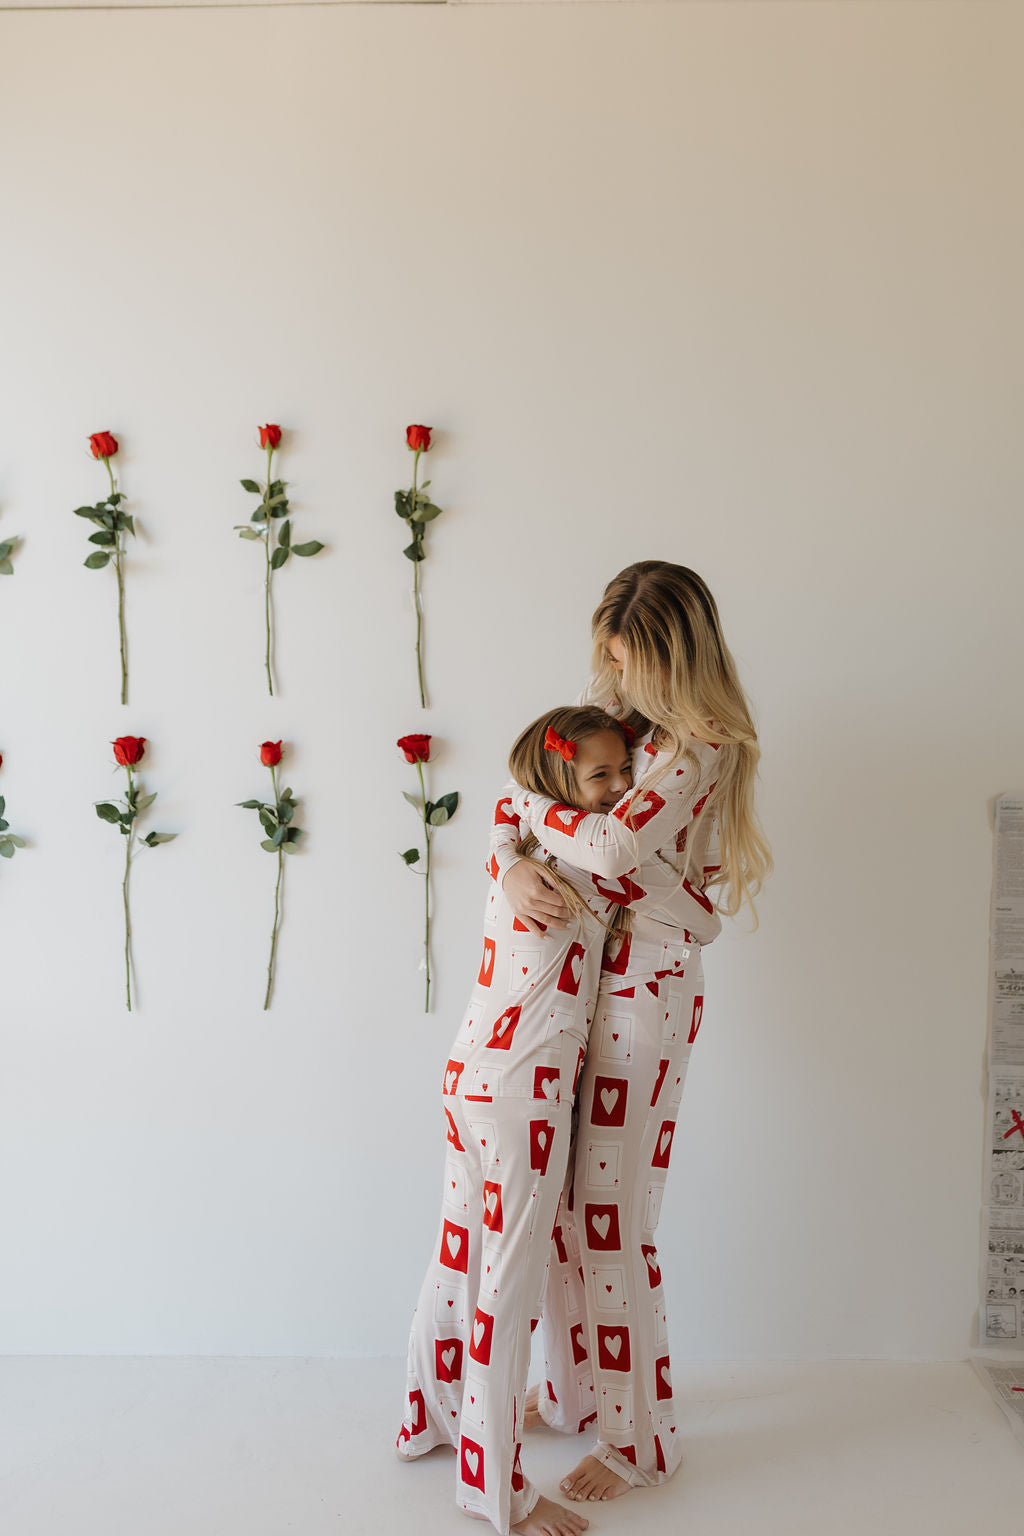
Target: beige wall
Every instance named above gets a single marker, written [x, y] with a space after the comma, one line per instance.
[736, 285]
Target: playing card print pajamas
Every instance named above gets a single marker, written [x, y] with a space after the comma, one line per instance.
[605, 1326]
[507, 1096]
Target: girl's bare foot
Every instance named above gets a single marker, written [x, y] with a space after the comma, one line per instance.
[531, 1412]
[593, 1480]
[549, 1519]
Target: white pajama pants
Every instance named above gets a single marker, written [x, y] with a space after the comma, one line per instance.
[605, 1324]
[508, 1095]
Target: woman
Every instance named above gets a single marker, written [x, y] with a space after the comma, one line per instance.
[661, 663]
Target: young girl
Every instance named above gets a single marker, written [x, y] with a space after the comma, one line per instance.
[508, 1090]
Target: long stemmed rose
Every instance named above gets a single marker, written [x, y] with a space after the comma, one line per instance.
[282, 837]
[416, 507]
[112, 524]
[6, 546]
[129, 752]
[273, 506]
[8, 840]
[434, 813]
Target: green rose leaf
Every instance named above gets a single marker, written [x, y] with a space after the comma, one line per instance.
[250, 805]
[249, 533]
[19, 842]
[152, 838]
[5, 548]
[293, 834]
[426, 512]
[115, 498]
[403, 504]
[289, 847]
[410, 855]
[107, 812]
[414, 800]
[126, 521]
[6, 568]
[89, 512]
[97, 561]
[249, 485]
[438, 816]
[311, 547]
[413, 552]
[3, 805]
[279, 835]
[275, 501]
[278, 558]
[450, 802]
[259, 516]
[284, 534]
[103, 537]
[268, 845]
[147, 800]
[3, 824]
[6, 848]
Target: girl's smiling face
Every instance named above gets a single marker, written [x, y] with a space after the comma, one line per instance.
[604, 771]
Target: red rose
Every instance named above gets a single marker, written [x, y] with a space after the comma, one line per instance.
[416, 748]
[103, 445]
[1, 759]
[418, 437]
[270, 753]
[129, 750]
[270, 436]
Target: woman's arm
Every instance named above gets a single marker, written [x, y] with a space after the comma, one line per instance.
[615, 844]
[536, 902]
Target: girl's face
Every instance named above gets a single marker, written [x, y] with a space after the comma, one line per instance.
[604, 771]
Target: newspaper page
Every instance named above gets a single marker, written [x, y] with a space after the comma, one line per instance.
[1000, 1360]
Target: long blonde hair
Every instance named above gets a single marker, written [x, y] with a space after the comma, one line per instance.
[679, 675]
[545, 772]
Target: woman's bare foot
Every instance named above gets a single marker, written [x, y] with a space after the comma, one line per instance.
[549, 1519]
[593, 1480]
[531, 1412]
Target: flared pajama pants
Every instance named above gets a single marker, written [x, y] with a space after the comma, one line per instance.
[469, 1347]
[605, 1323]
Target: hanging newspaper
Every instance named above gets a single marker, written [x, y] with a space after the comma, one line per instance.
[1002, 1306]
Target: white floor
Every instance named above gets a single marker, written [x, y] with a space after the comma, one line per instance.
[257, 1447]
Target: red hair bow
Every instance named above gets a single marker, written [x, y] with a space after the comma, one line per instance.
[555, 743]
[627, 731]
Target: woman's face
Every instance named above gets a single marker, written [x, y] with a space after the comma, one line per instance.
[616, 653]
[604, 771]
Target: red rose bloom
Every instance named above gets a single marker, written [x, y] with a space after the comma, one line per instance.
[270, 436]
[129, 750]
[103, 445]
[418, 437]
[270, 753]
[416, 748]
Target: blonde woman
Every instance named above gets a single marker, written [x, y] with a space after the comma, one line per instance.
[661, 664]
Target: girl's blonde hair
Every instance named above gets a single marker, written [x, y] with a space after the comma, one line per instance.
[545, 772]
[679, 675]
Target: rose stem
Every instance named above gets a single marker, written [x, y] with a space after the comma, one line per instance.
[416, 588]
[277, 907]
[426, 884]
[120, 594]
[124, 897]
[270, 680]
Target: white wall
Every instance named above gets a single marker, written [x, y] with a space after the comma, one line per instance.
[732, 285]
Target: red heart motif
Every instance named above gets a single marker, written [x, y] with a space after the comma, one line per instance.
[618, 1407]
[603, 1165]
[608, 1289]
[615, 1037]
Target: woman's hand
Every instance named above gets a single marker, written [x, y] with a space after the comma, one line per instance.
[534, 901]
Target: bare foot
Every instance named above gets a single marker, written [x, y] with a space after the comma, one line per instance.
[549, 1519]
[531, 1412]
[593, 1480]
